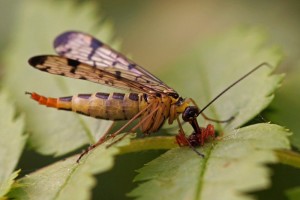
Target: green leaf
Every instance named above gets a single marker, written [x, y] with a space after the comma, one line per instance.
[291, 158]
[294, 193]
[8, 184]
[11, 144]
[232, 166]
[52, 131]
[68, 179]
[286, 108]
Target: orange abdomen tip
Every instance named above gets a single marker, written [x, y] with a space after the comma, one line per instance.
[49, 102]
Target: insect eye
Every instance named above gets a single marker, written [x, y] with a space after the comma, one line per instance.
[174, 95]
[190, 113]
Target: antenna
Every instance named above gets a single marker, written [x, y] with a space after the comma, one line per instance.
[233, 84]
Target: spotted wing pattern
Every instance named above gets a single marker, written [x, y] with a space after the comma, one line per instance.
[108, 76]
[84, 57]
[86, 49]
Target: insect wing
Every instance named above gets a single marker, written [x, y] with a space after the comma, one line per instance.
[87, 49]
[110, 76]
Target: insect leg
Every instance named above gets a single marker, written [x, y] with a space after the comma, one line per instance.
[103, 139]
[106, 134]
[208, 132]
[190, 100]
[132, 130]
[130, 121]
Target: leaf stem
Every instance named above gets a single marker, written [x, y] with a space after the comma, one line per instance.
[149, 143]
[288, 157]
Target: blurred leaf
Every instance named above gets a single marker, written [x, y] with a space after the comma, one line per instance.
[67, 179]
[286, 108]
[291, 158]
[51, 131]
[293, 194]
[8, 13]
[7, 185]
[232, 166]
[11, 144]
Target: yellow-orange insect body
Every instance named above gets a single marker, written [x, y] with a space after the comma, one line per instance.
[119, 106]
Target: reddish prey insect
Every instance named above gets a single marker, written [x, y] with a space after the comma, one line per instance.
[200, 134]
[81, 56]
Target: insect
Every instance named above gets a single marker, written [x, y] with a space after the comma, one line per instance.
[149, 100]
[200, 134]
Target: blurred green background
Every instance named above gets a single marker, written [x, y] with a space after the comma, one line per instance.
[156, 32]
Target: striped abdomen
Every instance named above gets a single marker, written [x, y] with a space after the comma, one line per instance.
[110, 106]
